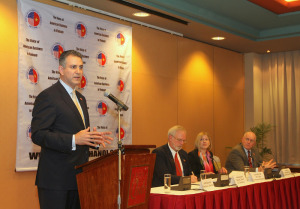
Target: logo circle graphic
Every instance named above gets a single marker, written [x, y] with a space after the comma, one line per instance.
[57, 50]
[28, 133]
[83, 82]
[122, 133]
[120, 85]
[101, 59]
[32, 75]
[81, 30]
[33, 18]
[120, 39]
[102, 108]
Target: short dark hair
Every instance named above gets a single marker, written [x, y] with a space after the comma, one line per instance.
[65, 54]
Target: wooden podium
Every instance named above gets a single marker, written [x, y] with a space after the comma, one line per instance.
[98, 179]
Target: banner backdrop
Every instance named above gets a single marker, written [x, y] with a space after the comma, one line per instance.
[44, 33]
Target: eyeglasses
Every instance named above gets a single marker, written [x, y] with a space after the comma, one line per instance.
[251, 140]
[180, 140]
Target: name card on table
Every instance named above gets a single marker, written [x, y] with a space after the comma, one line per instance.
[257, 176]
[286, 172]
[239, 180]
[207, 184]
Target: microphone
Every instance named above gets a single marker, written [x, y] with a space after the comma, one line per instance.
[116, 101]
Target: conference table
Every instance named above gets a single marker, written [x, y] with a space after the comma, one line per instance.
[279, 193]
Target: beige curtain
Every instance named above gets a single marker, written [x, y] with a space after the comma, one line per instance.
[281, 104]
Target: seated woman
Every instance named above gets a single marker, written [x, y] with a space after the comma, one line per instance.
[201, 158]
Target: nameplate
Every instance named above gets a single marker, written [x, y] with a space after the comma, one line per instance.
[257, 176]
[286, 172]
[239, 180]
[207, 184]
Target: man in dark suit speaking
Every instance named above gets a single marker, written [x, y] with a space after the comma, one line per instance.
[172, 159]
[60, 125]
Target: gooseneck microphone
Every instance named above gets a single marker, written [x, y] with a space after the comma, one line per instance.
[118, 102]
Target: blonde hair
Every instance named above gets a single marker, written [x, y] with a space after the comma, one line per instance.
[199, 137]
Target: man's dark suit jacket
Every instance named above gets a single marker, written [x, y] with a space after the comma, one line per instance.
[237, 159]
[197, 163]
[164, 164]
[55, 120]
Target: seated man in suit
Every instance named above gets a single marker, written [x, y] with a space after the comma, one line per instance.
[171, 159]
[244, 154]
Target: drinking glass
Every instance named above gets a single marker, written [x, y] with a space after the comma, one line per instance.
[246, 172]
[202, 175]
[167, 182]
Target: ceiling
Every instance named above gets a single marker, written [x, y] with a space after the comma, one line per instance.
[246, 26]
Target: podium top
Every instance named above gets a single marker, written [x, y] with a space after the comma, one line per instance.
[128, 149]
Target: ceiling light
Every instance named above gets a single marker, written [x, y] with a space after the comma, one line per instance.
[141, 14]
[268, 51]
[218, 38]
[290, 0]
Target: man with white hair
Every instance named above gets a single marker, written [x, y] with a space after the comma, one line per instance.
[172, 159]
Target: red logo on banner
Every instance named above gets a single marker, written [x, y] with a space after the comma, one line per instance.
[101, 58]
[32, 75]
[120, 85]
[29, 132]
[120, 39]
[81, 30]
[122, 134]
[57, 50]
[82, 83]
[33, 19]
[102, 108]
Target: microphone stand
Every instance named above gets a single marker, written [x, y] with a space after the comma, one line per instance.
[119, 157]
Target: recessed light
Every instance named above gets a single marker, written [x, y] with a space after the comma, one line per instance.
[141, 14]
[218, 38]
[268, 51]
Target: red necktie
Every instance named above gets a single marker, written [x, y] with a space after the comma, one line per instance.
[249, 159]
[177, 165]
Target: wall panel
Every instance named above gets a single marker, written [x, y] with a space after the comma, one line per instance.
[228, 101]
[195, 88]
